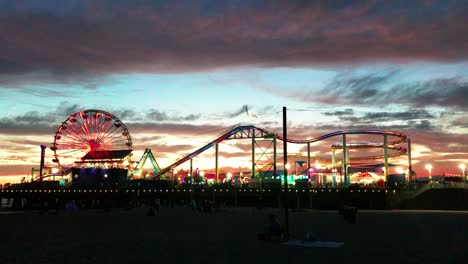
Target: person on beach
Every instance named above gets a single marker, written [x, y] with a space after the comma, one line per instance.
[273, 229]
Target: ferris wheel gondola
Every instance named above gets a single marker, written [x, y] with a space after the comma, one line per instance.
[86, 131]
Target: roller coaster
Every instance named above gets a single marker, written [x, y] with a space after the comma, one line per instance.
[254, 132]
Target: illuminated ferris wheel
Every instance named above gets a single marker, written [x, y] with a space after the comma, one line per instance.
[89, 130]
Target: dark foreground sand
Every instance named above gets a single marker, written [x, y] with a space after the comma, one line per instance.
[229, 236]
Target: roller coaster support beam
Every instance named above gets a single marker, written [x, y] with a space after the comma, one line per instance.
[191, 182]
[386, 159]
[410, 165]
[345, 161]
[253, 154]
[216, 163]
[285, 160]
[274, 157]
[333, 158]
[308, 157]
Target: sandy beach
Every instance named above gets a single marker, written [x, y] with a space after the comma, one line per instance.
[229, 235]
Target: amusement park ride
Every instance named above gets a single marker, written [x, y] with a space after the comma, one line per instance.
[138, 167]
[95, 143]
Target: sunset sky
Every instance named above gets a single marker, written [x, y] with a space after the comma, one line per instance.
[179, 73]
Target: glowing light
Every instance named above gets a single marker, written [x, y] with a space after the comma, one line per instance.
[55, 170]
[462, 167]
[288, 166]
[400, 170]
[429, 169]
[105, 175]
[318, 166]
[125, 163]
[229, 175]
[202, 173]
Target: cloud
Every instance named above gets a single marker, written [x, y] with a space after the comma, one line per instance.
[84, 42]
[171, 128]
[242, 110]
[386, 88]
[396, 116]
[158, 115]
[166, 149]
[346, 112]
[461, 122]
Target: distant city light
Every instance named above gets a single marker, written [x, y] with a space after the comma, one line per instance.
[429, 169]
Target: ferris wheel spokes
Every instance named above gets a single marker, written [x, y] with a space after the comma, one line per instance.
[89, 130]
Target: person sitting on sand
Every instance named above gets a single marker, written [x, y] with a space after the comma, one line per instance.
[274, 229]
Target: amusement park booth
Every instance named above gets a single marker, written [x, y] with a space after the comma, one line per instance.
[104, 168]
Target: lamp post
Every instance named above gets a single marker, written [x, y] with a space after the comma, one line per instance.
[429, 170]
[462, 168]
[285, 160]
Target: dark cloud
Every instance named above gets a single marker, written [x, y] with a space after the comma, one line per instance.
[126, 114]
[83, 41]
[348, 87]
[346, 112]
[385, 88]
[461, 122]
[157, 115]
[411, 118]
[172, 128]
[397, 116]
[242, 110]
[165, 149]
[10, 127]
[67, 109]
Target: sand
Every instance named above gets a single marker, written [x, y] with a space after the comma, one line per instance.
[180, 235]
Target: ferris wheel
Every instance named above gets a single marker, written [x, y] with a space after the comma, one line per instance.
[89, 130]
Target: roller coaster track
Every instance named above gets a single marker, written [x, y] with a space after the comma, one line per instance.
[256, 132]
